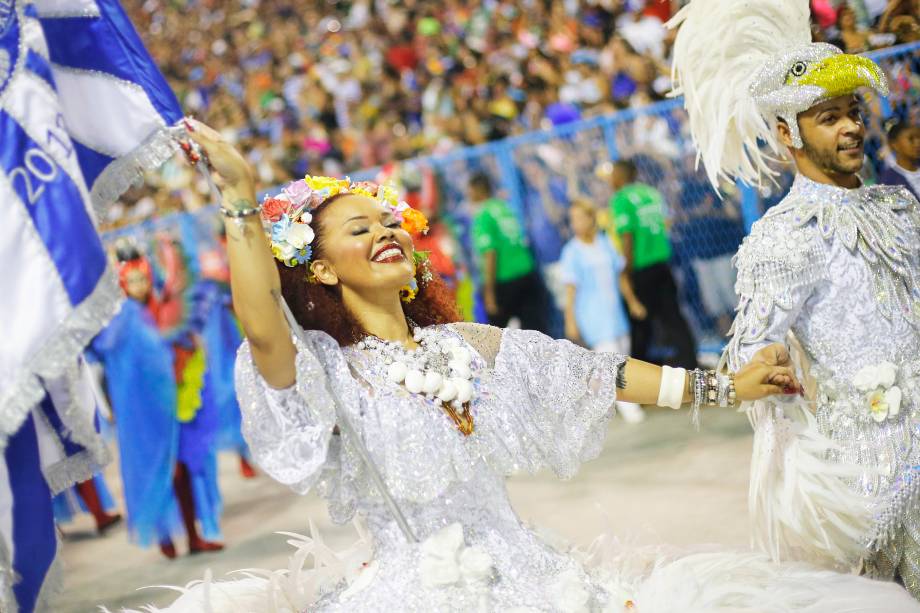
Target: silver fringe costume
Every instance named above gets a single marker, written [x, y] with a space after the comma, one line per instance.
[840, 270]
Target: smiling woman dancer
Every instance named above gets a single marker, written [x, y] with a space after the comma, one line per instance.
[381, 383]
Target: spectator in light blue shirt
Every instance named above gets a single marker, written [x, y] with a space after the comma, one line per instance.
[596, 285]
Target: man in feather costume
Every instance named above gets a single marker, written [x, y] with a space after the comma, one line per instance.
[834, 269]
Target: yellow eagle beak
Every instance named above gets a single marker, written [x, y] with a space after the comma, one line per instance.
[843, 74]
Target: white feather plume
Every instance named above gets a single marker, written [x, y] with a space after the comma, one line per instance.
[720, 47]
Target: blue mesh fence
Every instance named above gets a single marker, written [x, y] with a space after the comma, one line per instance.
[540, 173]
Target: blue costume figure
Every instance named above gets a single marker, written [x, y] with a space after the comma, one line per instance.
[155, 472]
[91, 496]
[181, 316]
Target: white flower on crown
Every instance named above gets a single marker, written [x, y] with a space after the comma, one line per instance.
[883, 398]
[283, 250]
[300, 235]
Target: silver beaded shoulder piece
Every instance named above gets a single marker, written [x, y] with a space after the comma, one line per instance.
[879, 222]
[787, 251]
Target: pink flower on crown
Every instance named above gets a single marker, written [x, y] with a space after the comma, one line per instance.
[299, 193]
[399, 209]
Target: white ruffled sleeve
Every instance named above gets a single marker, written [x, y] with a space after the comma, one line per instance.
[553, 400]
[288, 430]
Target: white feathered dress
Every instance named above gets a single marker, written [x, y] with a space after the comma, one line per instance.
[539, 403]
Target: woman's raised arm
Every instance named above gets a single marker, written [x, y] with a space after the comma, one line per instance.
[254, 280]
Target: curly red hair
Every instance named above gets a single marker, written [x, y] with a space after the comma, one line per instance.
[320, 307]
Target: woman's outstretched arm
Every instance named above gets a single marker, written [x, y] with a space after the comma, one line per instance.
[254, 280]
[758, 379]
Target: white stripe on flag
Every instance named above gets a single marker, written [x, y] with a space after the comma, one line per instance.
[94, 100]
[66, 8]
[50, 450]
[34, 37]
[6, 511]
[41, 301]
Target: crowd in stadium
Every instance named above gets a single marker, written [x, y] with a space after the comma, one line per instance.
[335, 86]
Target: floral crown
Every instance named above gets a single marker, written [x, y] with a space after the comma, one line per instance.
[287, 216]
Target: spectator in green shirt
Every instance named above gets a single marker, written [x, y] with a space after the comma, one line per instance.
[512, 285]
[638, 214]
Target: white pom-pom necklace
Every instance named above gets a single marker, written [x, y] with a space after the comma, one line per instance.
[441, 369]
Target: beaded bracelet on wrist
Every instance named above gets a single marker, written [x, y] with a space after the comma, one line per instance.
[710, 389]
[239, 213]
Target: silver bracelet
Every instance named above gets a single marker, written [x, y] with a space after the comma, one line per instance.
[240, 213]
[723, 390]
[699, 385]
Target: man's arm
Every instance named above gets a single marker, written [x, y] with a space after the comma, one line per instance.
[624, 222]
[633, 304]
[489, 266]
[626, 238]
[773, 288]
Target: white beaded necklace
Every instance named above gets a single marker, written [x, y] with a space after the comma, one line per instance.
[440, 368]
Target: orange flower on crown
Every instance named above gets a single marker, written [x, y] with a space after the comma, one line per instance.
[414, 221]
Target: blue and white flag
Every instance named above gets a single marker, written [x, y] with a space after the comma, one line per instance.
[83, 113]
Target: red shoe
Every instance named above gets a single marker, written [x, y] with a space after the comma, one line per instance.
[107, 521]
[168, 550]
[203, 546]
[246, 469]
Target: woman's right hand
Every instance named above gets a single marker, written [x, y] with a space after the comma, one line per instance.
[236, 176]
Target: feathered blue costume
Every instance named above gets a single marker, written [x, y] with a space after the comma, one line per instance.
[142, 389]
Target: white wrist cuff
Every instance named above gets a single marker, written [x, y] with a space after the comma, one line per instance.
[671, 392]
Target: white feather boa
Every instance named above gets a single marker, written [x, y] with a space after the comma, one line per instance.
[801, 507]
[286, 590]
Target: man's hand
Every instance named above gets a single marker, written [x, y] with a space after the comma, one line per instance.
[488, 299]
[773, 355]
[637, 310]
[758, 380]
[778, 355]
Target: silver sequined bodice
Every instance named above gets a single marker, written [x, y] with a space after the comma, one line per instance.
[539, 403]
[841, 269]
[840, 325]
